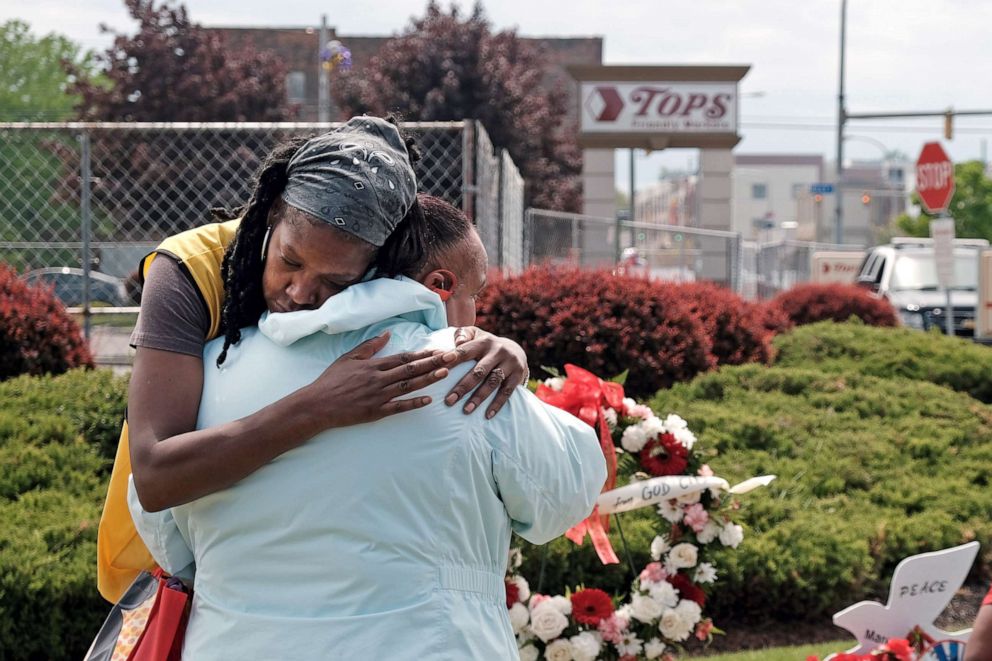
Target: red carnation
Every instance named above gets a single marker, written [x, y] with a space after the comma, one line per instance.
[664, 455]
[687, 589]
[512, 593]
[591, 606]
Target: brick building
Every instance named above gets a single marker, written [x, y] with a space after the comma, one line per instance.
[298, 48]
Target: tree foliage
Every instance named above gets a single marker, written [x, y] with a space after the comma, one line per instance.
[34, 83]
[971, 206]
[156, 181]
[448, 67]
[174, 70]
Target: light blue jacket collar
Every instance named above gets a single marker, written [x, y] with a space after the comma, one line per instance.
[357, 307]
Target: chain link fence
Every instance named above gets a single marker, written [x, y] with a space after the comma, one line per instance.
[773, 267]
[664, 252]
[81, 203]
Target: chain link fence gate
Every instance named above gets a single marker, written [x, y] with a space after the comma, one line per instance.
[98, 196]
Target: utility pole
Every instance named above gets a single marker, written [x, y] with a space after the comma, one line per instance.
[323, 89]
[841, 120]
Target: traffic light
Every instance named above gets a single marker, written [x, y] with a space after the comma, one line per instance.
[818, 198]
[866, 198]
[949, 125]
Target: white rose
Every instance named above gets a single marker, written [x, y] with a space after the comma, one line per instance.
[685, 437]
[654, 648]
[670, 510]
[653, 427]
[683, 555]
[732, 535]
[528, 653]
[522, 587]
[547, 622]
[659, 546]
[633, 438]
[586, 646]
[664, 593]
[709, 532]
[644, 608]
[673, 626]
[563, 604]
[519, 616]
[675, 422]
[559, 650]
[555, 383]
[705, 573]
[690, 611]
[690, 498]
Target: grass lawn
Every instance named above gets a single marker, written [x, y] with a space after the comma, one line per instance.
[782, 653]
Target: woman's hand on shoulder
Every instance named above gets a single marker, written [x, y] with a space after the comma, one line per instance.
[358, 388]
[501, 364]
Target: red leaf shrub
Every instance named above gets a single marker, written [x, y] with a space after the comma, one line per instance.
[735, 326]
[603, 322]
[809, 303]
[37, 336]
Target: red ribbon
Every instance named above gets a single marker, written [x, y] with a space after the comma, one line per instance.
[585, 396]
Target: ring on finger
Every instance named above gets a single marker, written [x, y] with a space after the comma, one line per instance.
[499, 374]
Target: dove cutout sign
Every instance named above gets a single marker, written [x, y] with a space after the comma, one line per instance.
[922, 585]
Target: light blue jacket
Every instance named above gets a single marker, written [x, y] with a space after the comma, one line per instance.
[386, 540]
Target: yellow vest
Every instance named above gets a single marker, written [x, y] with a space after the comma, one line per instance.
[121, 554]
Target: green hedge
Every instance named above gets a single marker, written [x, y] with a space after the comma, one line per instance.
[870, 471]
[852, 347]
[57, 437]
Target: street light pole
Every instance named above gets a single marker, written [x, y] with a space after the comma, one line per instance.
[841, 120]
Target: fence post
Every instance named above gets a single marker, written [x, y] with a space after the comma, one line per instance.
[85, 181]
[469, 185]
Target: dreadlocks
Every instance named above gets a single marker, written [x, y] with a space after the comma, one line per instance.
[244, 300]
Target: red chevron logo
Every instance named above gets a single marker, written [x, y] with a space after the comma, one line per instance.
[605, 104]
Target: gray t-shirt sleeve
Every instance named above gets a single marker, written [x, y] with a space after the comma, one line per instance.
[173, 315]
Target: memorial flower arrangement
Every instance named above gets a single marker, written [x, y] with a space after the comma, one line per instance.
[914, 647]
[665, 607]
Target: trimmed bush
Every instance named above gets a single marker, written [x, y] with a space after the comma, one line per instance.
[57, 438]
[736, 327]
[36, 334]
[855, 348]
[602, 322]
[869, 471]
[809, 303]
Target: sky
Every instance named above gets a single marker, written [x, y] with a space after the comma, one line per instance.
[902, 56]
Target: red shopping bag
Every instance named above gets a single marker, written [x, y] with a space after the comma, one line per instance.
[147, 624]
[162, 639]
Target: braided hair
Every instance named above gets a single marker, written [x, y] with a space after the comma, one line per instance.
[243, 265]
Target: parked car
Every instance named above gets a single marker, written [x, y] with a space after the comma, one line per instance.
[67, 283]
[905, 273]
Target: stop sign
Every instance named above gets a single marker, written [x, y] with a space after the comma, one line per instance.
[934, 177]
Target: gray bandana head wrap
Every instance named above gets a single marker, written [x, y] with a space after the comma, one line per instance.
[358, 178]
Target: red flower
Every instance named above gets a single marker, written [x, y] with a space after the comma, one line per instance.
[591, 606]
[687, 589]
[704, 629]
[512, 593]
[898, 649]
[664, 456]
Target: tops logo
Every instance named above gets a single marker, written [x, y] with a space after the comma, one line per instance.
[606, 103]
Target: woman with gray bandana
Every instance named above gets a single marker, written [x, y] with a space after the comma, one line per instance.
[323, 213]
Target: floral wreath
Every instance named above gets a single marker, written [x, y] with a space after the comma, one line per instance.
[665, 606]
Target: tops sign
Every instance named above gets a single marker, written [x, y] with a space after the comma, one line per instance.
[663, 107]
[657, 107]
